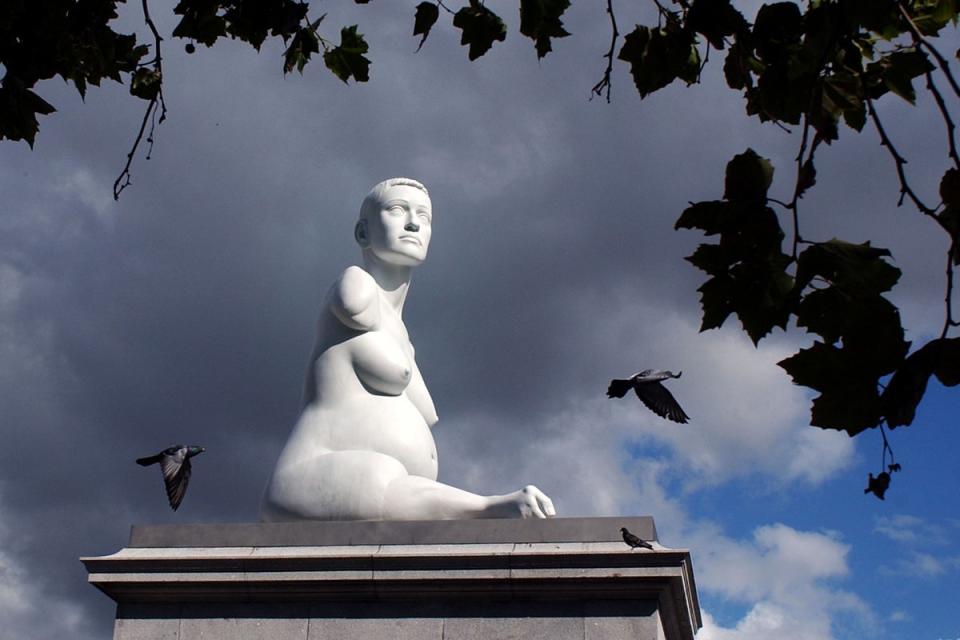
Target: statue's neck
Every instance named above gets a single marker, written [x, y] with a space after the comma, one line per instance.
[394, 280]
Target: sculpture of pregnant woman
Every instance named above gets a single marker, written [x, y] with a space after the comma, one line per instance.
[362, 448]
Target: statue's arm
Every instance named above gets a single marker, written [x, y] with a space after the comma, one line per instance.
[415, 498]
[353, 300]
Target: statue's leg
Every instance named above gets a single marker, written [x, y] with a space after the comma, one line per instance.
[338, 485]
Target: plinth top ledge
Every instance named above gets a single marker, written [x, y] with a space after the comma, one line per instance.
[406, 532]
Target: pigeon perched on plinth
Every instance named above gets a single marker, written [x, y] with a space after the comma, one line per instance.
[633, 540]
[651, 393]
[175, 466]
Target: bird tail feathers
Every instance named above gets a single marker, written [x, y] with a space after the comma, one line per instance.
[149, 460]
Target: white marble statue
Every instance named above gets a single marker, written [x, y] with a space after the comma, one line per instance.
[362, 448]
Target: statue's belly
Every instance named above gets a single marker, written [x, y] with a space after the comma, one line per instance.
[390, 425]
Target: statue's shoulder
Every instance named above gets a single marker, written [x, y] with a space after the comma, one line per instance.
[354, 298]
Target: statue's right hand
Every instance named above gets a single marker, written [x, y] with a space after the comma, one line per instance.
[528, 502]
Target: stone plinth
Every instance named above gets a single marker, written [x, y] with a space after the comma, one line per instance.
[557, 579]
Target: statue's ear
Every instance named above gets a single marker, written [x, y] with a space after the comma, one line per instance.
[360, 234]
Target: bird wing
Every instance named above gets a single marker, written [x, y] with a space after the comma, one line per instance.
[176, 476]
[659, 400]
[149, 460]
[618, 388]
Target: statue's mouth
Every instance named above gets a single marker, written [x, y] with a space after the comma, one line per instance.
[414, 239]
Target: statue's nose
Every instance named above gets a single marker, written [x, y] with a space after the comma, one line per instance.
[411, 226]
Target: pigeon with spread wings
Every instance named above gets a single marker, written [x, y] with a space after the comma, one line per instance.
[175, 466]
[653, 394]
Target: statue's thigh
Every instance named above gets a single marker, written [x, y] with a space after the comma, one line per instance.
[339, 485]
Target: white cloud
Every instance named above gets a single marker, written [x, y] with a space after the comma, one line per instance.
[783, 575]
[917, 564]
[79, 184]
[899, 616]
[747, 417]
[909, 529]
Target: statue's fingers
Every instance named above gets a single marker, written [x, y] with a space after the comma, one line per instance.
[547, 505]
[535, 509]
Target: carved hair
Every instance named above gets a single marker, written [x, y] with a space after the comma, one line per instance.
[375, 198]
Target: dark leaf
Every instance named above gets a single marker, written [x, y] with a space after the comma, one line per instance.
[946, 361]
[716, 298]
[857, 269]
[894, 467]
[897, 70]
[715, 19]
[480, 27]
[807, 177]
[346, 60]
[657, 57]
[906, 388]
[736, 68]
[878, 486]
[848, 397]
[304, 44]
[707, 216]
[930, 16]
[950, 188]
[423, 21]
[710, 258]
[777, 27]
[201, 21]
[145, 83]
[253, 21]
[748, 177]
[540, 21]
[18, 111]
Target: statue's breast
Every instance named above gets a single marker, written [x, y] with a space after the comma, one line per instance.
[380, 362]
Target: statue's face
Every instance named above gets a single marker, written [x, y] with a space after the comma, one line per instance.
[399, 232]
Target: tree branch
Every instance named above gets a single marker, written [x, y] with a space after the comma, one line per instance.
[951, 128]
[905, 189]
[948, 298]
[919, 39]
[604, 84]
[123, 180]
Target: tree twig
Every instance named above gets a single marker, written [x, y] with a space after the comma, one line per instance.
[948, 298]
[905, 189]
[123, 180]
[921, 40]
[948, 121]
[604, 84]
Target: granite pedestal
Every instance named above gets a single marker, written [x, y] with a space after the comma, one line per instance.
[556, 579]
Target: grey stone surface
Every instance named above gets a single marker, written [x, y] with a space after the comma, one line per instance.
[284, 534]
[376, 629]
[619, 620]
[565, 628]
[583, 589]
[147, 622]
[243, 629]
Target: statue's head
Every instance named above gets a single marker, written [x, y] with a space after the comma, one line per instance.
[395, 222]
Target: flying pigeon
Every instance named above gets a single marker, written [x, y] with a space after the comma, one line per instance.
[633, 540]
[175, 466]
[651, 393]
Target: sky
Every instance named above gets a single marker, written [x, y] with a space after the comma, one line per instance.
[185, 311]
